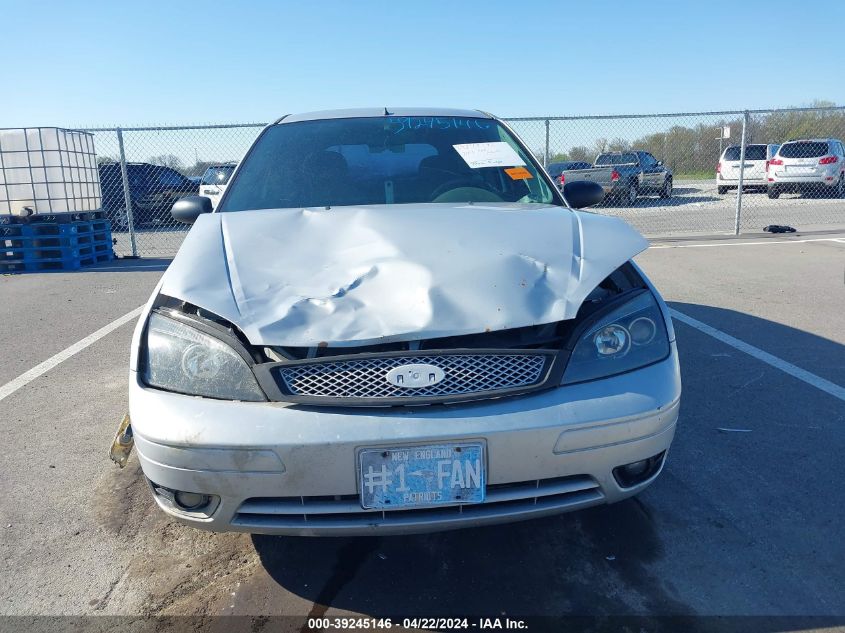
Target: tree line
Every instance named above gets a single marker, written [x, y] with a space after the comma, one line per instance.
[696, 149]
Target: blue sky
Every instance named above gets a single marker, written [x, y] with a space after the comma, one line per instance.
[150, 62]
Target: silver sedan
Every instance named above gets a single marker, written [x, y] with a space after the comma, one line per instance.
[394, 322]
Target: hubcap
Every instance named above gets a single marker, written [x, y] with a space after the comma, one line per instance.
[632, 194]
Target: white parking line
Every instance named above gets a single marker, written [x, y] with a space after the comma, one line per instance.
[759, 243]
[796, 372]
[27, 377]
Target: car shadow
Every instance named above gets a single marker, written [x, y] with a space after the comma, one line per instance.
[562, 564]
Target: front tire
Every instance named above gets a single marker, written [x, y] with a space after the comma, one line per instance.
[722, 190]
[773, 192]
[666, 191]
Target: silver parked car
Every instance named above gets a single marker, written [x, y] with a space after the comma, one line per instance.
[393, 322]
[815, 166]
[756, 166]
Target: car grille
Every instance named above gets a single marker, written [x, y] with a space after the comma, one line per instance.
[364, 378]
[503, 501]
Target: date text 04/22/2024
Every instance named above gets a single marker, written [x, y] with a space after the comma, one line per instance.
[364, 623]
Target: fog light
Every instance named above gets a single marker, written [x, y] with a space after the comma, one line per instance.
[637, 472]
[190, 504]
[633, 470]
[190, 501]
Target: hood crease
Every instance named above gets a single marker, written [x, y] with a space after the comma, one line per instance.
[362, 275]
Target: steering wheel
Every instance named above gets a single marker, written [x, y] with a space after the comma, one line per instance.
[464, 183]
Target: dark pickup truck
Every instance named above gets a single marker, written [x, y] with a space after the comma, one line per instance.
[635, 173]
[153, 189]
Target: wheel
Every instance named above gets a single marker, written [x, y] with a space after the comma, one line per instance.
[773, 192]
[630, 195]
[666, 190]
[722, 190]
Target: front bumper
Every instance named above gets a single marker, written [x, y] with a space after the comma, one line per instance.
[289, 469]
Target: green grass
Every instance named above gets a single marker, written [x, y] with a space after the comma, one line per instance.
[696, 175]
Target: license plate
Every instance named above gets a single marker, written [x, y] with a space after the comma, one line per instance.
[419, 476]
[799, 170]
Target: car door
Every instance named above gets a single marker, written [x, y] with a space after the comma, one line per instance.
[652, 172]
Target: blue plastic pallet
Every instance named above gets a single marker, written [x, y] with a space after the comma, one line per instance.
[55, 241]
[42, 228]
[27, 253]
[54, 246]
[57, 265]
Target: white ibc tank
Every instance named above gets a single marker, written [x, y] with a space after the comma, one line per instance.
[47, 170]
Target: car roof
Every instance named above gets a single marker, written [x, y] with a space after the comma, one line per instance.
[351, 113]
[810, 140]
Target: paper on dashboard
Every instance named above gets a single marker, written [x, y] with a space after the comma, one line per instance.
[498, 154]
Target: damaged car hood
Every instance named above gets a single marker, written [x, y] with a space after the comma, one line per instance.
[362, 275]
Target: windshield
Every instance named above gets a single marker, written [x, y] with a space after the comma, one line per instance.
[752, 152]
[804, 149]
[217, 175]
[617, 159]
[385, 160]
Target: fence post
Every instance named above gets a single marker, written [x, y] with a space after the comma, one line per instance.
[127, 198]
[546, 151]
[741, 172]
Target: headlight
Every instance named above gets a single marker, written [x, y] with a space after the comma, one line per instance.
[630, 336]
[181, 358]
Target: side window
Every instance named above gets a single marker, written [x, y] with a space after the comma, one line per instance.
[646, 159]
[168, 178]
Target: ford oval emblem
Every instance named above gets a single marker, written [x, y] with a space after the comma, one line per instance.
[415, 376]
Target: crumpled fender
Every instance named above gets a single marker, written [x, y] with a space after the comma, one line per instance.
[362, 275]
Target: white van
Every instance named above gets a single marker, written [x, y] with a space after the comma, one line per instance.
[757, 157]
[214, 181]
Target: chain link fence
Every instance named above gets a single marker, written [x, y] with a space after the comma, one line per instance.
[682, 174]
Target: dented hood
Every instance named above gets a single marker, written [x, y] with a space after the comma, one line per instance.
[361, 275]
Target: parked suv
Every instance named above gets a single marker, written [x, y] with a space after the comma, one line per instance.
[214, 182]
[813, 166]
[152, 188]
[394, 322]
[757, 157]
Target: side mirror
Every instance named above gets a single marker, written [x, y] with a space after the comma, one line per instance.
[582, 193]
[660, 163]
[189, 208]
